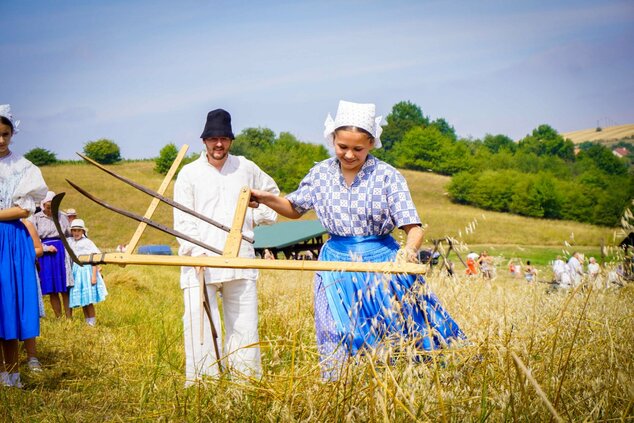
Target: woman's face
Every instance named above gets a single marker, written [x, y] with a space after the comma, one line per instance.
[46, 208]
[352, 149]
[77, 233]
[5, 139]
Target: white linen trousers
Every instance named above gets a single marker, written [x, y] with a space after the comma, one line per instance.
[240, 350]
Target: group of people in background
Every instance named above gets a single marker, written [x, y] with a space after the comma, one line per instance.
[571, 274]
[33, 260]
[566, 274]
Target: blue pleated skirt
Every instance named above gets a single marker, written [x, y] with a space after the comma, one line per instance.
[356, 310]
[19, 311]
[53, 268]
[84, 292]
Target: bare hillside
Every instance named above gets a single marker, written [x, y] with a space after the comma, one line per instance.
[610, 133]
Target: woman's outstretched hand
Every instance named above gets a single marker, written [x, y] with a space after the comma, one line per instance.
[256, 198]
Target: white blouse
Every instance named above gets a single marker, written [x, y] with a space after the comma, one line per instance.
[83, 246]
[21, 183]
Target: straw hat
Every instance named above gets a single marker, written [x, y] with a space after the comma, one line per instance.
[79, 224]
[71, 212]
[355, 114]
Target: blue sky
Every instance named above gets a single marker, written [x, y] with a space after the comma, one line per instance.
[145, 73]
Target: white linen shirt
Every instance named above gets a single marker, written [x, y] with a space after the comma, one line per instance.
[214, 193]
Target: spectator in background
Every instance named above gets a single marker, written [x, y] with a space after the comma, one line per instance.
[55, 266]
[472, 264]
[559, 268]
[71, 214]
[594, 271]
[575, 269]
[485, 262]
[268, 255]
[89, 287]
[529, 272]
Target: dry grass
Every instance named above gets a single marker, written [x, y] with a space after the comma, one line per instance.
[577, 348]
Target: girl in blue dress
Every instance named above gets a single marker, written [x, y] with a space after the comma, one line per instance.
[360, 200]
[89, 287]
[21, 188]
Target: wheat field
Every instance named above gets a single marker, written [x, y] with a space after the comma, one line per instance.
[533, 354]
[608, 133]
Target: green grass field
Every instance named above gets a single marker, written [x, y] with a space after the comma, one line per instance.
[530, 349]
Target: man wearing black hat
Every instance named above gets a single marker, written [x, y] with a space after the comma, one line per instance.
[211, 185]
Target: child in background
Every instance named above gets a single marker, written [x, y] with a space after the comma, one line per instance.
[29, 344]
[529, 272]
[89, 287]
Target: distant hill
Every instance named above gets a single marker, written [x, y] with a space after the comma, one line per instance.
[108, 229]
[608, 135]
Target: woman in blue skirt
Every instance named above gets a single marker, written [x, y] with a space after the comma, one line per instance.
[360, 200]
[89, 287]
[21, 188]
[55, 265]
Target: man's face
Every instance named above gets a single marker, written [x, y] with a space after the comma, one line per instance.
[217, 148]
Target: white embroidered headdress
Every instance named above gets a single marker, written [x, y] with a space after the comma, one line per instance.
[355, 114]
[5, 110]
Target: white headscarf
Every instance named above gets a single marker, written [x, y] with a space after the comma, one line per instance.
[48, 198]
[5, 110]
[355, 114]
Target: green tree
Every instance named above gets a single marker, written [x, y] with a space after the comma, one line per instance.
[461, 187]
[495, 189]
[41, 157]
[544, 140]
[286, 159]
[103, 151]
[603, 158]
[404, 116]
[166, 157]
[497, 143]
[445, 129]
[420, 149]
[526, 199]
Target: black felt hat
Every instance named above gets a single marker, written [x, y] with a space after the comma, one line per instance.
[218, 125]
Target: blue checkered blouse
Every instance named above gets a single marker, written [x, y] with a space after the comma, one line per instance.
[376, 203]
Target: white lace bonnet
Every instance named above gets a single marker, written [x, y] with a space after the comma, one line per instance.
[5, 110]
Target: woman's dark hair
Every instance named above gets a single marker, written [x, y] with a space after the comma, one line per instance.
[355, 129]
[6, 121]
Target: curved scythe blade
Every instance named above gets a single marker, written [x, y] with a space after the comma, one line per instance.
[163, 198]
[145, 220]
[57, 200]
